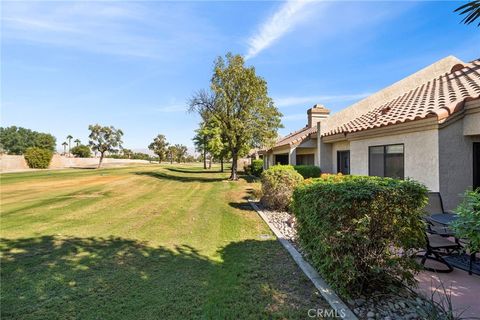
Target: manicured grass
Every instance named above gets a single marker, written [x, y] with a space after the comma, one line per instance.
[147, 242]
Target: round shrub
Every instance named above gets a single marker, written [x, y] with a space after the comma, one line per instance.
[278, 183]
[358, 231]
[257, 167]
[308, 171]
[81, 151]
[38, 158]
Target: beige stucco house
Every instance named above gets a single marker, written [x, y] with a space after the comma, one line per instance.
[425, 127]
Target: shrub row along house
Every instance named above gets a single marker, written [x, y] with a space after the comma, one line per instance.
[425, 127]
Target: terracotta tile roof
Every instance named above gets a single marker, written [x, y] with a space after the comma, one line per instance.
[439, 97]
[296, 137]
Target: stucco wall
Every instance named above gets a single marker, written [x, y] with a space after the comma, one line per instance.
[471, 121]
[421, 155]
[456, 163]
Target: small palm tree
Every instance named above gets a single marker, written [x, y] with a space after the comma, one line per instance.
[77, 142]
[64, 144]
[69, 138]
[472, 11]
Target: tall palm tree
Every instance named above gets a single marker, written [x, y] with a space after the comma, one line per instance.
[472, 11]
[64, 144]
[69, 138]
[77, 142]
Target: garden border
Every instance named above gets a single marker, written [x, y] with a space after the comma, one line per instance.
[333, 300]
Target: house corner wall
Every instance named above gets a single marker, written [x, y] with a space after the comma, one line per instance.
[456, 163]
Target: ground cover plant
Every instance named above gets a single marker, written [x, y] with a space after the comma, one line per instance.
[144, 242]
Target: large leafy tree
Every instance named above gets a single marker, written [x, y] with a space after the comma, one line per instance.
[159, 146]
[180, 152]
[15, 140]
[238, 99]
[44, 141]
[81, 151]
[209, 139]
[127, 153]
[200, 141]
[218, 143]
[171, 152]
[104, 139]
[471, 10]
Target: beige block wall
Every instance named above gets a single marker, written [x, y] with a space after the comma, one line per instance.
[421, 155]
[12, 163]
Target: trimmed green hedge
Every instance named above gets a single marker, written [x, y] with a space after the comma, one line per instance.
[278, 183]
[256, 167]
[308, 171]
[354, 229]
[38, 158]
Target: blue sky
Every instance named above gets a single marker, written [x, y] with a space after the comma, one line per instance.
[133, 65]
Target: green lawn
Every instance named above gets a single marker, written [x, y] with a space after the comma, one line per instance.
[148, 242]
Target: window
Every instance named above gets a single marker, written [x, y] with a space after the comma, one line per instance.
[343, 162]
[386, 161]
[305, 159]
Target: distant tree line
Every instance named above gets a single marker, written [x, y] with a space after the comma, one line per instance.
[167, 152]
[16, 140]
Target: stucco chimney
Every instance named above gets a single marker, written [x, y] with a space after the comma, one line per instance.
[316, 114]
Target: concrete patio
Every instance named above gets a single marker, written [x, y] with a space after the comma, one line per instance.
[462, 288]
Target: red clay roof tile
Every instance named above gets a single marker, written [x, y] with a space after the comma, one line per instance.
[439, 97]
[296, 136]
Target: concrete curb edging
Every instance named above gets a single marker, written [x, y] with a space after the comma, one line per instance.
[335, 302]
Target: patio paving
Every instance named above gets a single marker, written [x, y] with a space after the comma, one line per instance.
[462, 287]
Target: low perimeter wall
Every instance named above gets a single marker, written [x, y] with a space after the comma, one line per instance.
[12, 163]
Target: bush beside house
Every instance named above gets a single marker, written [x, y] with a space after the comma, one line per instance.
[257, 167]
[308, 171]
[38, 158]
[468, 222]
[354, 229]
[278, 183]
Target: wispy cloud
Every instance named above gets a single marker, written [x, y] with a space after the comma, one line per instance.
[278, 24]
[311, 100]
[114, 28]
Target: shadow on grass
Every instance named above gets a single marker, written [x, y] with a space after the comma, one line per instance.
[248, 178]
[114, 278]
[194, 170]
[163, 175]
[241, 205]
